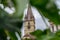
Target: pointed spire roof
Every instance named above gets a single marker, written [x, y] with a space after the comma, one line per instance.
[29, 13]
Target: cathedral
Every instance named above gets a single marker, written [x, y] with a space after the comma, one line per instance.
[29, 24]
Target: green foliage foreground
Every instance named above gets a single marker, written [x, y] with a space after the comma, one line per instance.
[46, 35]
[9, 25]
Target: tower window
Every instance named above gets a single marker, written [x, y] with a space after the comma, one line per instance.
[28, 27]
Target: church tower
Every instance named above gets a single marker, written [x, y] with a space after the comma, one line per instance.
[29, 23]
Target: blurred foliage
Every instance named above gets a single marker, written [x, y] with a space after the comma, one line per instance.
[56, 36]
[27, 39]
[48, 9]
[7, 20]
[11, 34]
[2, 35]
[9, 24]
[40, 35]
[19, 6]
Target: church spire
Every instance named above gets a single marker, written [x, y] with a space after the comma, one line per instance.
[29, 13]
[29, 23]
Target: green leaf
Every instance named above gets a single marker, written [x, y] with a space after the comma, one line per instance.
[3, 35]
[47, 31]
[9, 22]
[39, 3]
[56, 36]
[58, 33]
[4, 2]
[37, 33]
[7, 3]
[20, 5]
[12, 35]
[43, 35]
